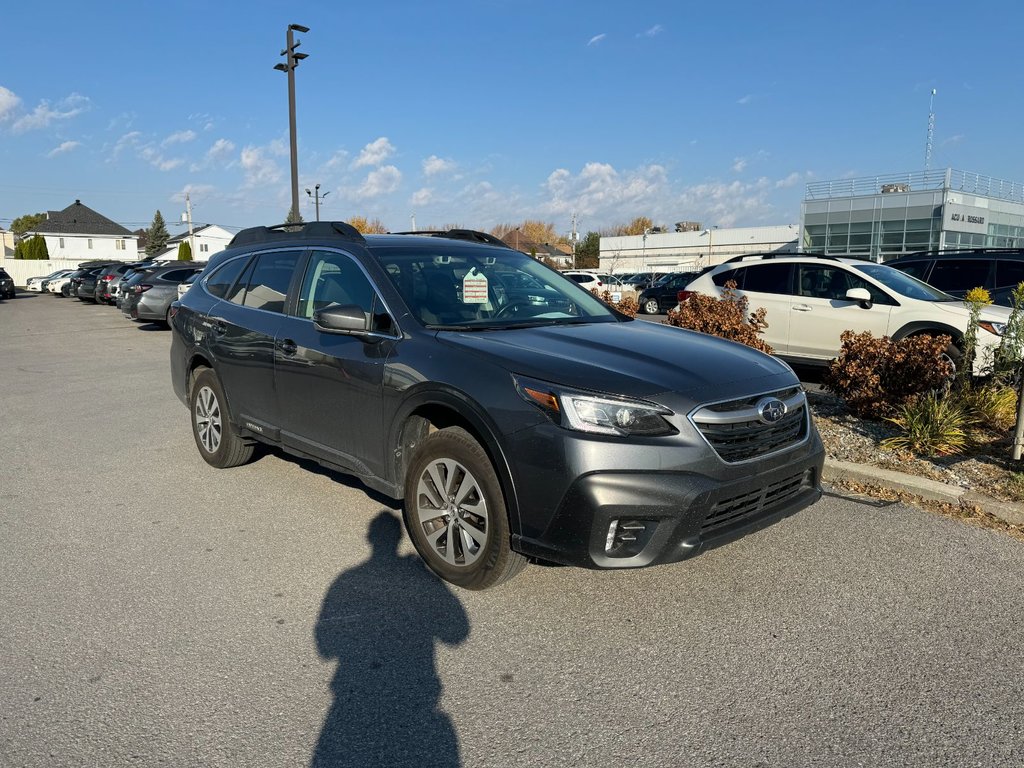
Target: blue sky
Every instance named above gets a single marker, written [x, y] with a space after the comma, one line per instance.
[481, 112]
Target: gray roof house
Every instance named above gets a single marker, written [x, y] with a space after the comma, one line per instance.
[79, 232]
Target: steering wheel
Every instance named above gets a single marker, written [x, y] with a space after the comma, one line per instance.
[509, 307]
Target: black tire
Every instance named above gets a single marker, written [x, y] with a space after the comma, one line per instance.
[650, 307]
[471, 505]
[215, 435]
[65, 291]
[955, 355]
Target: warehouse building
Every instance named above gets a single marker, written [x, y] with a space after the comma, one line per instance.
[881, 217]
[691, 247]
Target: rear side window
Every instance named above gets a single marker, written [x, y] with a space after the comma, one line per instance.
[960, 274]
[267, 286]
[767, 278]
[218, 283]
[177, 275]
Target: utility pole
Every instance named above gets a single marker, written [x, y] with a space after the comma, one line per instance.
[188, 218]
[931, 133]
[575, 238]
[317, 197]
[292, 58]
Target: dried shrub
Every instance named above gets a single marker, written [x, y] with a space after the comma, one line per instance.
[725, 316]
[876, 377]
[626, 305]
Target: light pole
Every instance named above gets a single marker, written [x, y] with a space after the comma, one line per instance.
[710, 233]
[316, 196]
[292, 61]
[643, 251]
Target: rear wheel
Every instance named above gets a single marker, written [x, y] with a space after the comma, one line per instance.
[455, 512]
[651, 307]
[217, 440]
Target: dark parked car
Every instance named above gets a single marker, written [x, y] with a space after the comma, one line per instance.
[664, 294]
[998, 270]
[84, 286]
[7, 290]
[148, 296]
[513, 426]
[109, 279]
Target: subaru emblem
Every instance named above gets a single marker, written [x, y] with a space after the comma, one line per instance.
[770, 410]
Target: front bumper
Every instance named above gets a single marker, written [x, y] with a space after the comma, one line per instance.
[630, 518]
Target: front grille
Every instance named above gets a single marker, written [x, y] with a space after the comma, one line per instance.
[749, 506]
[737, 432]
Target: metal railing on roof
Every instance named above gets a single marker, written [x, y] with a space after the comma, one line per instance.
[949, 178]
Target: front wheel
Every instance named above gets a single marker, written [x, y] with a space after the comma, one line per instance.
[218, 442]
[455, 512]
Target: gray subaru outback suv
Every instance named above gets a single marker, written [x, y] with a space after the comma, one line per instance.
[514, 414]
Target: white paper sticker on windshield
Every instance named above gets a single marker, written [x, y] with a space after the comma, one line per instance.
[474, 288]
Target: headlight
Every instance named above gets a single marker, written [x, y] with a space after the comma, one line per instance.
[997, 328]
[603, 415]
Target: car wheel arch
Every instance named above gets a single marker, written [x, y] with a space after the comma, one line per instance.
[930, 328]
[431, 410]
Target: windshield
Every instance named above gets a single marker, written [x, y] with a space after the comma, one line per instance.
[903, 284]
[461, 288]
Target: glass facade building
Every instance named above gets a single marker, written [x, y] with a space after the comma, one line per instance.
[881, 217]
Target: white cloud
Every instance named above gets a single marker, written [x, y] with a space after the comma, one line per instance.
[44, 114]
[9, 103]
[259, 165]
[434, 165]
[375, 153]
[596, 39]
[744, 100]
[218, 154]
[739, 164]
[423, 196]
[381, 181]
[181, 137]
[657, 29]
[338, 160]
[601, 192]
[793, 180]
[66, 146]
[194, 191]
[953, 140]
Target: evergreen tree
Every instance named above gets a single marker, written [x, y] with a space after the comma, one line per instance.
[184, 251]
[39, 250]
[157, 235]
[294, 217]
[588, 251]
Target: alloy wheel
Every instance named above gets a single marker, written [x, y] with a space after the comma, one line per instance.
[452, 510]
[208, 419]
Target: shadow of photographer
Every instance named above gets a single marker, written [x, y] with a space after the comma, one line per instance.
[380, 620]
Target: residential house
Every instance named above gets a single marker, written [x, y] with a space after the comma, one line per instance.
[78, 233]
[557, 256]
[7, 239]
[207, 239]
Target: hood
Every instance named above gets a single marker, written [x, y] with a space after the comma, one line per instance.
[993, 312]
[632, 358]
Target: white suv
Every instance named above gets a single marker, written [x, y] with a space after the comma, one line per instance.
[811, 300]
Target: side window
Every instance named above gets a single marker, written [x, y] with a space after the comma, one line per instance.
[960, 274]
[918, 269]
[1009, 273]
[335, 278]
[767, 278]
[218, 283]
[730, 274]
[266, 281]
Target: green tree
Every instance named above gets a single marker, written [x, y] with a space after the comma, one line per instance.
[39, 250]
[294, 217]
[27, 223]
[184, 251]
[588, 252]
[157, 235]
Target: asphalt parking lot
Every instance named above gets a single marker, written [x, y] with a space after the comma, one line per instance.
[155, 610]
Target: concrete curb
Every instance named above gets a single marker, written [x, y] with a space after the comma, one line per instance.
[932, 490]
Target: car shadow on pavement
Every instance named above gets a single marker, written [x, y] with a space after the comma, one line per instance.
[380, 620]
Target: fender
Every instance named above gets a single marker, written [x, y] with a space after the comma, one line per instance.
[482, 425]
[932, 328]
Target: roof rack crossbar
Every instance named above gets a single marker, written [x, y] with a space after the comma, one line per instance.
[319, 229]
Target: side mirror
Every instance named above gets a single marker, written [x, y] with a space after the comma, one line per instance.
[861, 296]
[344, 319]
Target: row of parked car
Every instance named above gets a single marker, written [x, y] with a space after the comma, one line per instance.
[143, 290]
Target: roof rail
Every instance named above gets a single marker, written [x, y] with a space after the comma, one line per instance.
[981, 251]
[471, 235]
[779, 255]
[320, 229]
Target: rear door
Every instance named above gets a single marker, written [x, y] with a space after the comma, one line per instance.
[768, 285]
[243, 326]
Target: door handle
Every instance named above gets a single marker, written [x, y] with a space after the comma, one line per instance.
[288, 347]
[219, 326]
[801, 308]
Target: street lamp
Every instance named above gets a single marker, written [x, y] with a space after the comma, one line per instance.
[317, 196]
[643, 251]
[710, 233]
[292, 58]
